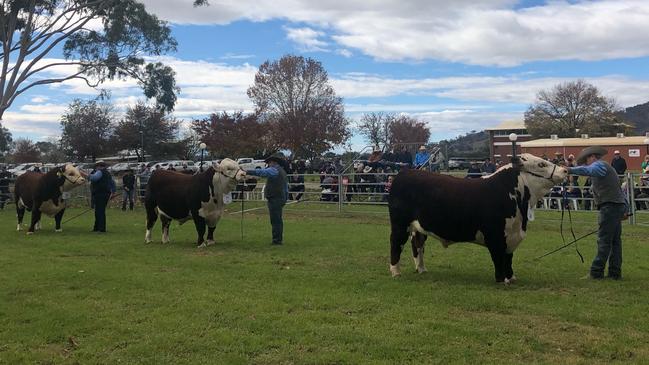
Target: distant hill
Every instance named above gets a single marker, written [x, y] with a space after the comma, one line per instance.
[471, 145]
[639, 116]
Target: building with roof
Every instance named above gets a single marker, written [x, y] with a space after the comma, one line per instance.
[500, 147]
[632, 148]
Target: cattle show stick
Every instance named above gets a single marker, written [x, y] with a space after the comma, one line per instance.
[86, 211]
[567, 244]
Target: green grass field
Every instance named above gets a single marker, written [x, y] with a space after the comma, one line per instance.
[325, 297]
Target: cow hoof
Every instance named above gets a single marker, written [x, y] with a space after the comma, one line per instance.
[146, 242]
[202, 245]
[165, 242]
[58, 230]
[421, 270]
[209, 242]
[395, 270]
[30, 233]
[509, 281]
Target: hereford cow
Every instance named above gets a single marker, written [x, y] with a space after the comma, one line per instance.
[42, 193]
[492, 211]
[174, 195]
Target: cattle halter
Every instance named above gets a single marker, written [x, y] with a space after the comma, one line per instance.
[60, 173]
[543, 177]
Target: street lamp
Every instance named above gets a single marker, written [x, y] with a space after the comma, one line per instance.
[202, 146]
[513, 137]
[142, 145]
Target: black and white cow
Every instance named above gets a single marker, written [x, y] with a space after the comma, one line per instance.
[492, 211]
[43, 193]
[177, 196]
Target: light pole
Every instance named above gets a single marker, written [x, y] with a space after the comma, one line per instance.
[202, 146]
[513, 137]
[142, 145]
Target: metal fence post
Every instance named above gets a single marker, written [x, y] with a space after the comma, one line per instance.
[630, 191]
[340, 193]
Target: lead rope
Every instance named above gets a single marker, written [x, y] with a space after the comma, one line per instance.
[564, 202]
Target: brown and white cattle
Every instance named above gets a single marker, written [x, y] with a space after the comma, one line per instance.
[42, 193]
[492, 211]
[176, 196]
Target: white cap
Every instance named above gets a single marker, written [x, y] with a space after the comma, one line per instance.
[617, 152]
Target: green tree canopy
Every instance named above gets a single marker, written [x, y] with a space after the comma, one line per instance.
[570, 109]
[31, 29]
[87, 129]
[143, 124]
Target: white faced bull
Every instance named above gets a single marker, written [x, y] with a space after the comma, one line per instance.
[492, 211]
[43, 193]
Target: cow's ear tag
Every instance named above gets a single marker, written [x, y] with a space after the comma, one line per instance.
[227, 198]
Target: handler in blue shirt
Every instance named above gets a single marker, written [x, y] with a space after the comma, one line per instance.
[275, 192]
[611, 202]
[102, 187]
[421, 157]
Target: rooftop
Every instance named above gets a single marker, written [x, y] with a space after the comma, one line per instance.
[583, 142]
[507, 125]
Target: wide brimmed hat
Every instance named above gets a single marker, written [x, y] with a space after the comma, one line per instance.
[279, 158]
[367, 169]
[422, 148]
[101, 163]
[592, 150]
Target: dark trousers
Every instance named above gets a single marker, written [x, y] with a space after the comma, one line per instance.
[609, 241]
[101, 201]
[275, 207]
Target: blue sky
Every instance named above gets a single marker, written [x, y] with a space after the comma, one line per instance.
[458, 65]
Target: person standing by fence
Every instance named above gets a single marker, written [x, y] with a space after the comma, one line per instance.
[275, 192]
[5, 176]
[128, 184]
[610, 200]
[102, 187]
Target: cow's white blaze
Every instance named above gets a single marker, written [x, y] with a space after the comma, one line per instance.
[73, 178]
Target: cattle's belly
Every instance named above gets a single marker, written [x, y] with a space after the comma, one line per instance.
[51, 209]
[181, 215]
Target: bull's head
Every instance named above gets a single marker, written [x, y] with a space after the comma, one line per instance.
[539, 169]
[71, 176]
[229, 169]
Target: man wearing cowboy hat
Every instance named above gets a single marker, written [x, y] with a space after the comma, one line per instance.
[610, 200]
[102, 187]
[421, 157]
[275, 192]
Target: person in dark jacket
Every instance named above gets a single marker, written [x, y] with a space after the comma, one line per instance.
[474, 171]
[611, 202]
[276, 192]
[618, 163]
[128, 184]
[102, 187]
[5, 176]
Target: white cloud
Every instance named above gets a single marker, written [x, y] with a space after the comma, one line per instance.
[306, 39]
[494, 32]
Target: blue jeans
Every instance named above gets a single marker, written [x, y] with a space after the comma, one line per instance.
[128, 196]
[275, 207]
[609, 241]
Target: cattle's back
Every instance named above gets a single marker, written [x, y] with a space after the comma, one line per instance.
[26, 186]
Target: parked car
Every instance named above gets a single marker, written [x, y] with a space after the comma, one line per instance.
[23, 168]
[458, 164]
[178, 165]
[123, 166]
[247, 163]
